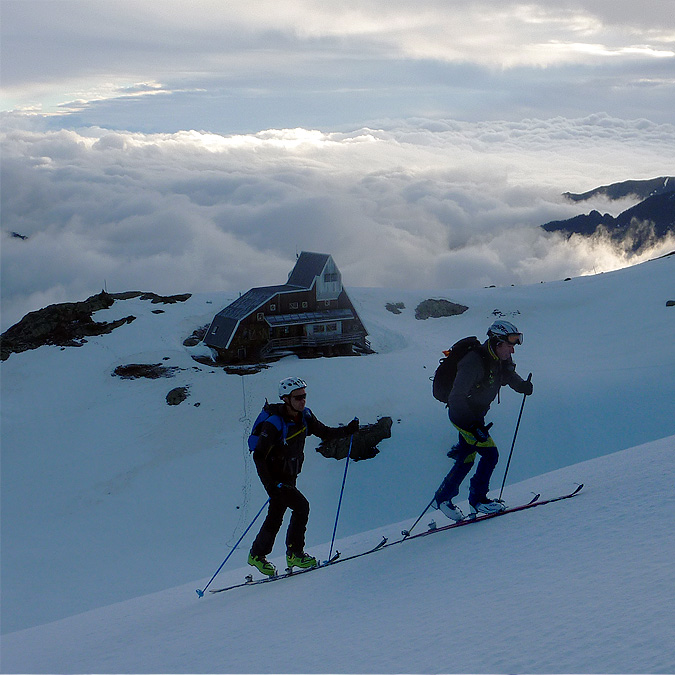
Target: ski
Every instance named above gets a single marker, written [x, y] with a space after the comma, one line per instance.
[384, 543]
[535, 501]
[250, 581]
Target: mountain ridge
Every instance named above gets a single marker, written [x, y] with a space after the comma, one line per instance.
[646, 223]
[640, 189]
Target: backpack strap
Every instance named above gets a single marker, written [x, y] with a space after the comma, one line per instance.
[279, 423]
[486, 359]
[306, 414]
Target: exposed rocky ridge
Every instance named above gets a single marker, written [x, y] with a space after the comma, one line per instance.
[628, 188]
[636, 228]
[67, 324]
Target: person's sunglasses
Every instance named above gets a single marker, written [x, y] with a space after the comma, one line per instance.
[515, 339]
[299, 397]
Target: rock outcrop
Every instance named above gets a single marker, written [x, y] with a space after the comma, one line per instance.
[67, 324]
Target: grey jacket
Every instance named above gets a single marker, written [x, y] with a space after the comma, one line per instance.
[477, 383]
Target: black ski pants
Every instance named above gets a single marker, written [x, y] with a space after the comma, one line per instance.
[281, 498]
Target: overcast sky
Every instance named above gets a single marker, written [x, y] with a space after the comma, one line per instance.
[184, 146]
[246, 65]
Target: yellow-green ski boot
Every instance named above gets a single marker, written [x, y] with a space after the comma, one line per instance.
[262, 565]
[301, 560]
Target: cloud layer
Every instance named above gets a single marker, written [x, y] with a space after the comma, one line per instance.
[241, 66]
[415, 203]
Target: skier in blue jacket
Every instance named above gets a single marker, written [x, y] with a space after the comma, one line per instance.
[278, 457]
[480, 375]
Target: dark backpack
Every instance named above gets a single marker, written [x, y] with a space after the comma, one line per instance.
[267, 415]
[444, 377]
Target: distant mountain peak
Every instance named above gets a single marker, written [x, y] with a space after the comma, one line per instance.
[640, 189]
[642, 225]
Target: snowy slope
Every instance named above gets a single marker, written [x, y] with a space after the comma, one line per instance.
[109, 494]
[583, 585]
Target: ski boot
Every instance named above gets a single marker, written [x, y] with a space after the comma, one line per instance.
[301, 560]
[449, 510]
[262, 565]
[486, 506]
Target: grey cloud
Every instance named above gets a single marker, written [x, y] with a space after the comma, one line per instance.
[78, 46]
[417, 203]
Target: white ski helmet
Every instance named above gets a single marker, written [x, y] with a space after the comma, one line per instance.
[503, 330]
[290, 384]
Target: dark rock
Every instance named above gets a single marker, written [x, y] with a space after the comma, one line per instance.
[438, 308]
[153, 297]
[152, 371]
[64, 324]
[394, 307]
[177, 395]
[245, 370]
[196, 337]
[67, 324]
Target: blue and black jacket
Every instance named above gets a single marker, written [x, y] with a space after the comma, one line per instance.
[279, 451]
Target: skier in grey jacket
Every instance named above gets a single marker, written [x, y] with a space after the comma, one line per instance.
[480, 375]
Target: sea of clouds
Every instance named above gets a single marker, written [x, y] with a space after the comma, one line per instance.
[416, 203]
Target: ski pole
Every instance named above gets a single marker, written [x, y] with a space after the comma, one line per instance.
[342, 489]
[515, 433]
[406, 533]
[200, 592]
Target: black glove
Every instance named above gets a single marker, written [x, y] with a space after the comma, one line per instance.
[525, 388]
[454, 452]
[353, 426]
[481, 432]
